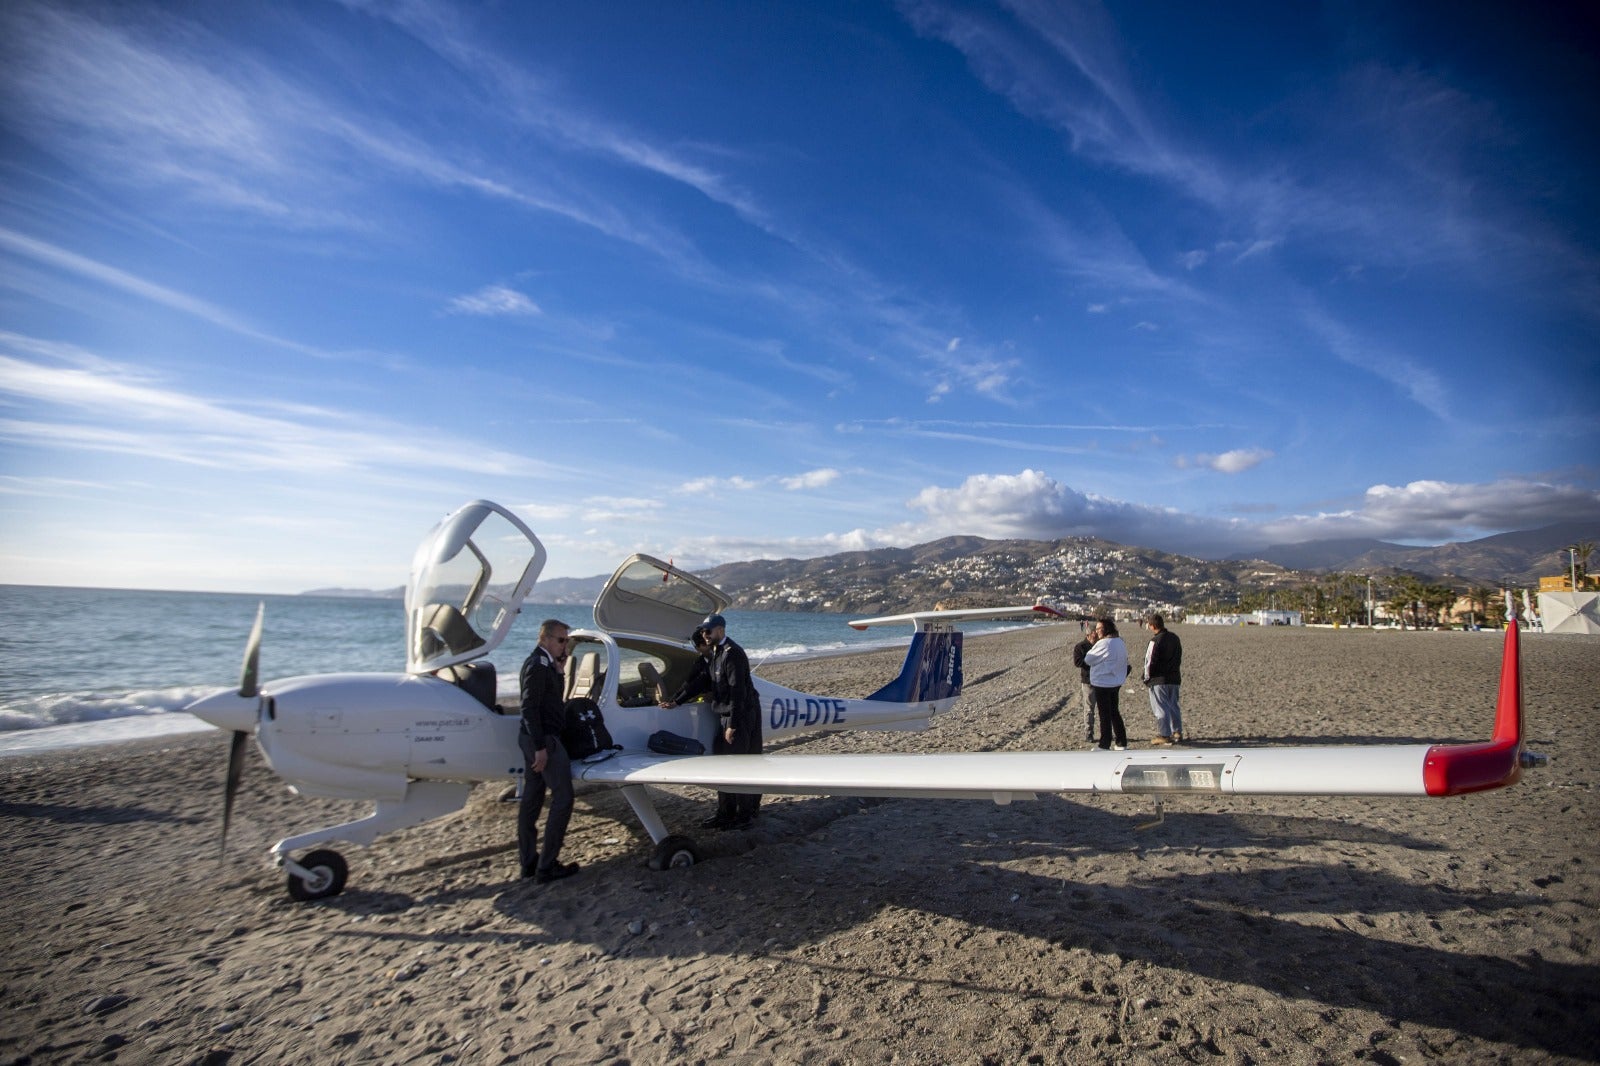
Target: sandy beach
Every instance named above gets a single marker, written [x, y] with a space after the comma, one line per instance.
[846, 931]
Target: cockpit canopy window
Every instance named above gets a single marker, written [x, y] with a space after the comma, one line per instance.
[468, 579]
[652, 598]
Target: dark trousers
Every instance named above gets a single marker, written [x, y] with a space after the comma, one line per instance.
[737, 806]
[557, 777]
[1106, 700]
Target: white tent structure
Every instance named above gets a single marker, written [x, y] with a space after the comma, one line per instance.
[1570, 612]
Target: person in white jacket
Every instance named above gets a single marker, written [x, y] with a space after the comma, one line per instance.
[1108, 669]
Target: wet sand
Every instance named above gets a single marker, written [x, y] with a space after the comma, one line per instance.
[1260, 930]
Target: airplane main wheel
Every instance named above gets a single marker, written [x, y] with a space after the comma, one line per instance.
[328, 872]
[674, 853]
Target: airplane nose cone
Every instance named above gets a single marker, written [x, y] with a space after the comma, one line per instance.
[228, 710]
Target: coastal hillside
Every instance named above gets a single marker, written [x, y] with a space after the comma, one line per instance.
[1076, 574]
[1087, 574]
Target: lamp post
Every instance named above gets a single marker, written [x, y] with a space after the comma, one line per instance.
[1369, 601]
[1572, 557]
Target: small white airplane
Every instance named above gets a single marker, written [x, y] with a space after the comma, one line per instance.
[415, 743]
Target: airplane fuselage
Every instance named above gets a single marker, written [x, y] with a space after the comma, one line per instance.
[365, 735]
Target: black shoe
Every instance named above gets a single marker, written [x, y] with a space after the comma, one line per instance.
[740, 823]
[528, 871]
[555, 873]
[716, 821]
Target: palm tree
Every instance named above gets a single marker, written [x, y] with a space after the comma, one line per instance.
[1439, 599]
[1484, 601]
[1407, 602]
[1349, 598]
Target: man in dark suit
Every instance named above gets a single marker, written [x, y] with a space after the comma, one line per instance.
[545, 761]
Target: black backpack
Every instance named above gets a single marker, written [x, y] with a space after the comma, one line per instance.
[586, 731]
[665, 742]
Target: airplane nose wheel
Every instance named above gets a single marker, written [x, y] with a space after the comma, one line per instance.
[321, 874]
[674, 853]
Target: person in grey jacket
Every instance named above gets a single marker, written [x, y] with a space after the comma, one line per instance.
[1162, 660]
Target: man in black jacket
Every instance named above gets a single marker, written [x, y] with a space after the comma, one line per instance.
[1085, 690]
[1161, 676]
[545, 760]
[738, 707]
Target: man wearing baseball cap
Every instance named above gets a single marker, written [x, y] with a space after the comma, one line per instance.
[738, 709]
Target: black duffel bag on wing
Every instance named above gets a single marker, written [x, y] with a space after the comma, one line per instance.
[665, 742]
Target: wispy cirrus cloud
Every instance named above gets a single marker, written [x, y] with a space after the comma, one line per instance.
[1375, 162]
[811, 479]
[167, 107]
[1421, 384]
[82, 266]
[534, 104]
[1061, 65]
[494, 300]
[76, 400]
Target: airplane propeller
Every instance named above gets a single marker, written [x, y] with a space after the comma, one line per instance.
[249, 689]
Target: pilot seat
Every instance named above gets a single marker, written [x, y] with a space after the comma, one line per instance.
[477, 678]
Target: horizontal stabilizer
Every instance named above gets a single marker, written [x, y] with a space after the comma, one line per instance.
[921, 619]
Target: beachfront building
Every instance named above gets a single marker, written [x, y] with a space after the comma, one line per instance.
[1277, 618]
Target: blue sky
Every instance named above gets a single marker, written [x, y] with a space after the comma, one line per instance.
[281, 284]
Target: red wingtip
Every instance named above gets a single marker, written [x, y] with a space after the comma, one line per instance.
[1454, 769]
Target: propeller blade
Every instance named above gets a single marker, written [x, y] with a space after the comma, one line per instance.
[230, 787]
[248, 681]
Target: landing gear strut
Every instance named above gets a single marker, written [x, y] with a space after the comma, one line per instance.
[671, 852]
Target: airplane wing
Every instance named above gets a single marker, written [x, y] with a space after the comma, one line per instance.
[1374, 770]
[1343, 770]
[920, 619]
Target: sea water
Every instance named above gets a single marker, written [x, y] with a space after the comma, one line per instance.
[131, 660]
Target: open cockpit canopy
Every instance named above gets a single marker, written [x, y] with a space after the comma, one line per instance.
[655, 599]
[468, 580]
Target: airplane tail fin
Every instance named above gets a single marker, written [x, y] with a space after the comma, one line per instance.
[932, 670]
[1454, 769]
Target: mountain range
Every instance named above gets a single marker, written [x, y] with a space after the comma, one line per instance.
[1519, 557]
[1082, 574]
